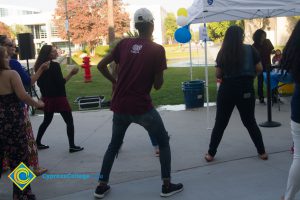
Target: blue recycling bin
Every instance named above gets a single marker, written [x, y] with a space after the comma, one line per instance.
[193, 93]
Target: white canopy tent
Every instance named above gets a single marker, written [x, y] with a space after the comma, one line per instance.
[203, 11]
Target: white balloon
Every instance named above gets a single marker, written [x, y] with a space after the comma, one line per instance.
[182, 20]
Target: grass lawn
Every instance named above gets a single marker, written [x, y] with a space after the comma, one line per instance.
[179, 51]
[170, 94]
[175, 51]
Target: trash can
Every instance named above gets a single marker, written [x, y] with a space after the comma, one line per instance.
[193, 93]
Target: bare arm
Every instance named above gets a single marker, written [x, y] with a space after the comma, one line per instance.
[219, 73]
[158, 80]
[72, 73]
[258, 68]
[18, 88]
[102, 67]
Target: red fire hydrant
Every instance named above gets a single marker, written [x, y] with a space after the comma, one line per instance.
[87, 72]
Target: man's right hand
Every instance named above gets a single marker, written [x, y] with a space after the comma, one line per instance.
[40, 104]
[74, 71]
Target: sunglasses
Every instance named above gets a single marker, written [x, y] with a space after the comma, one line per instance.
[9, 45]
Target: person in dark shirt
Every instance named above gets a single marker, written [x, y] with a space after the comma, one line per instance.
[237, 66]
[291, 62]
[265, 48]
[141, 65]
[52, 87]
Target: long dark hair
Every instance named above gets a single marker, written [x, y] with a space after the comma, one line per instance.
[44, 56]
[257, 37]
[2, 39]
[3, 53]
[230, 56]
[291, 54]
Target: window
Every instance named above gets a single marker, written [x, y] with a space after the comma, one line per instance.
[26, 12]
[3, 12]
[54, 31]
[43, 32]
[38, 31]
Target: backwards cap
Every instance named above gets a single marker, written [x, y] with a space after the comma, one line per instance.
[143, 15]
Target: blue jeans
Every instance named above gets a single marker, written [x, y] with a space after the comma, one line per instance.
[153, 123]
[153, 140]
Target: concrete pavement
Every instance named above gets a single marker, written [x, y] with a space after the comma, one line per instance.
[236, 173]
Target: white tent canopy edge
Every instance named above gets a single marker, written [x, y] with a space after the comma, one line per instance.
[226, 10]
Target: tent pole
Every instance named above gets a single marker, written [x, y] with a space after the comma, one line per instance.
[206, 83]
[191, 64]
[269, 123]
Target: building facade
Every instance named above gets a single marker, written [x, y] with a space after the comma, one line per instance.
[278, 29]
[6, 10]
[40, 24]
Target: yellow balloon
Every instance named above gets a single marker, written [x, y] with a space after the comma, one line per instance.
[182, 12]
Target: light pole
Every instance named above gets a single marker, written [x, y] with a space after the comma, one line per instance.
[69, 60]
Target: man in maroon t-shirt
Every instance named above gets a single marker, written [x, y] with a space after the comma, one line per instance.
[141, 65]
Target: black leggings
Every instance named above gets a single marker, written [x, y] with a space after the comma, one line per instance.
[48, 116]
[239, 93]
[260, 86]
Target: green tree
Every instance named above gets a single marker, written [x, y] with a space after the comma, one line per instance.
[170, 27]
[216, 30]
[18, 28]
[292, 22]
[296, 17]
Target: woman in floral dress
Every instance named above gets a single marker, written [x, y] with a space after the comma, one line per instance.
[13, 140]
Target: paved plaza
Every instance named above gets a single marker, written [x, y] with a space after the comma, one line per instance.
[236, 174]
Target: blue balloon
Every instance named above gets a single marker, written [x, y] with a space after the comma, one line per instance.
[182, 35]
[186, 26]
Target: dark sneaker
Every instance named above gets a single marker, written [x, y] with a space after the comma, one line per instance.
[172, 189]
[42, 146]
[75, 149]
[262, 101]
[101, 191]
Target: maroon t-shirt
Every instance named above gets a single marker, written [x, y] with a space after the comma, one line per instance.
[139, 60]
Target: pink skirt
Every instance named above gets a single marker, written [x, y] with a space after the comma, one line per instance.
[56, 104]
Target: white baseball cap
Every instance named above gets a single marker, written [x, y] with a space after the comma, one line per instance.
[143, 15]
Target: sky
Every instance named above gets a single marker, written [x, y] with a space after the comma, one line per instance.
[48, 5]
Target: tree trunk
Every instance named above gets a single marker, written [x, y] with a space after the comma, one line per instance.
[111, 28]
[170, 40]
